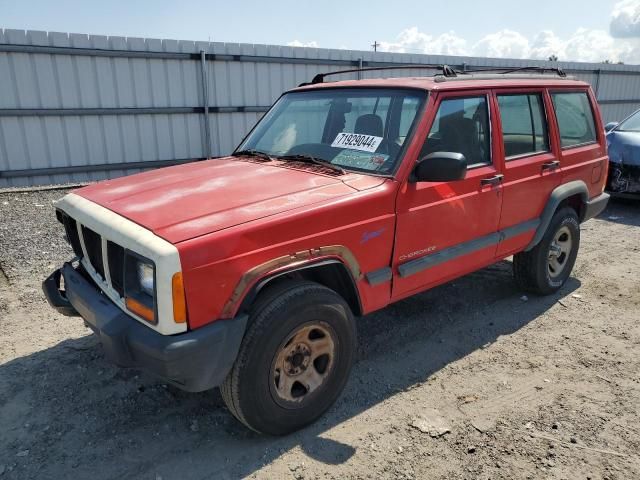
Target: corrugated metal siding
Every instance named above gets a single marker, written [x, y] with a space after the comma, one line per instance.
[102, 77]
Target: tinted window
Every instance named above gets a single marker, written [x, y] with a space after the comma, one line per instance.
[462, 126]
[524, 128]
[575, 118]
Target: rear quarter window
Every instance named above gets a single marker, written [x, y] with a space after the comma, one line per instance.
[575, 118]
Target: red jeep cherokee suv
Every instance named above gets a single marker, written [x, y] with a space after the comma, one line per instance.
[246, 272]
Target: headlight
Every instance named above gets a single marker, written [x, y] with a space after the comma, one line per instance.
[139, 286]
[145, 277]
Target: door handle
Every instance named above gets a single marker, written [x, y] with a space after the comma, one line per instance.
[551, 165]
[495, 180]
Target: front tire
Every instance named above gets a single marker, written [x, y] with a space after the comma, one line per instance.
[295, 358]
[547, 266]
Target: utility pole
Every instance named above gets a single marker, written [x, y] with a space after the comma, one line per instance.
[375, 45]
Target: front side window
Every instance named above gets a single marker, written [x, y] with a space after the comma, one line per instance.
[361, 129]
[575, 118]
[461, 126]
[524, 127]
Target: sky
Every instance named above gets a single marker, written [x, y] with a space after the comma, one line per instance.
[578, 30]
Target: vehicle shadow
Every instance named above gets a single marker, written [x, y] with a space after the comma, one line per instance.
[622, 210]
[86, 418]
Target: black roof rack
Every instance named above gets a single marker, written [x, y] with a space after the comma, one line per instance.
[557, 70]
[448, 72]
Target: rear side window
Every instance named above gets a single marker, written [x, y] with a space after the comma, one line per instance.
[575, 118]
[524, 126]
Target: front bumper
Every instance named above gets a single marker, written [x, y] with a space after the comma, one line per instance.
[624, 180]
[194, 361]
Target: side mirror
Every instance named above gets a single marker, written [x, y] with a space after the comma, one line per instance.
[440, 167]
[610, 126]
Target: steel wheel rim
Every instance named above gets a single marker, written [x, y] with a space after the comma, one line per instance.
[559, 252]
[303, 364]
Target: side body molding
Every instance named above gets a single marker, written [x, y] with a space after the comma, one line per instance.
[451, 253]
[576, 187]
[314, 257]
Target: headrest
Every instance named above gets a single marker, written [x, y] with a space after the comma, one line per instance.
[369, 124]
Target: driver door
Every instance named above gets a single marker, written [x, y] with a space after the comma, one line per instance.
[447, 229]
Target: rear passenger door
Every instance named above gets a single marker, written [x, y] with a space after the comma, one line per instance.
[582, 146]
[531, 165]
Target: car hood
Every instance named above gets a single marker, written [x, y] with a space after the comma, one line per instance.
[624, 147]
[182, 202]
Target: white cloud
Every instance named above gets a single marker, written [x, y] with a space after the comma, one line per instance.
[298, 43]
[593, 46]
[621, 43]
[502, 44]
[625, 19]
[411, 40]
[450, 44]
[583, 45]
[546, 44]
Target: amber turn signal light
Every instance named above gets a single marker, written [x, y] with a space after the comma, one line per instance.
[139, 309]
[179, 302]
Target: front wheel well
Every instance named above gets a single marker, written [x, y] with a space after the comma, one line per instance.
[331, 274]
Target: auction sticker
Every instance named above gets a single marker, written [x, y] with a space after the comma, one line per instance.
[357, 141]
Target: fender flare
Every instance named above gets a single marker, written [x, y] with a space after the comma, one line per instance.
[259, 276]
[558, 195]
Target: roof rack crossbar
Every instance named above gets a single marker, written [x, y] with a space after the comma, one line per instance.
[557, 70]
[447, 71]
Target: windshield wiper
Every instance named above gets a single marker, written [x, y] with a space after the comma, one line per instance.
[311, 159]
[252, 153]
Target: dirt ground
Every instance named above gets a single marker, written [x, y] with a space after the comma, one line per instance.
[469, 380]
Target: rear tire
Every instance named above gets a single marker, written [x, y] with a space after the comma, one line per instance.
[295, 358]
[547, 266]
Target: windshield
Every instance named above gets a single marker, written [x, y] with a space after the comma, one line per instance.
[631, 124]
[361, 129]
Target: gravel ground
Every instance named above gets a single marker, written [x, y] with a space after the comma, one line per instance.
[469, 380]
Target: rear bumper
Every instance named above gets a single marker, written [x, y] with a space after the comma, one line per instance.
[194, 361]
[595, 206]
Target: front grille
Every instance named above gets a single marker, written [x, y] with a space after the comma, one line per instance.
[71, 229]
[93, 246]
[115, 254]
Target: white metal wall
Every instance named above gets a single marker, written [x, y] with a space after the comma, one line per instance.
[85, 107]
